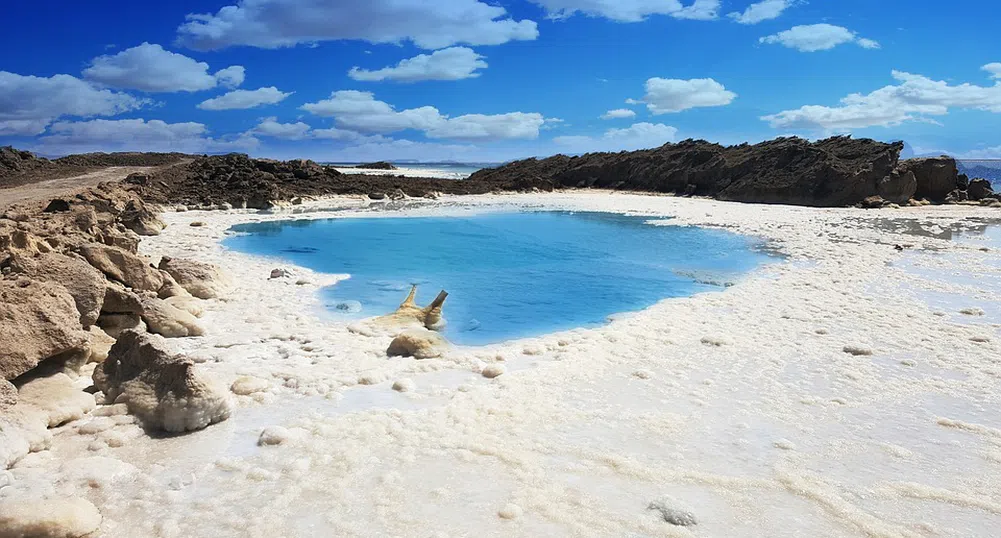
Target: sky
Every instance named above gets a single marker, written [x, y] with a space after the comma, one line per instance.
[494, 80]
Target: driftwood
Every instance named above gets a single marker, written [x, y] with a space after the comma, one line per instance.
[409, 313]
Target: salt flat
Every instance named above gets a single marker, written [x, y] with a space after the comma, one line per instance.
[840, 391]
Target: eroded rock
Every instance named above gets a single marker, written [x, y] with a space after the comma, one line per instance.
[85, 283]
[417, 343]
[202, 280]
[38, 321]
[164, 391]
[123, 266]
[167, 320]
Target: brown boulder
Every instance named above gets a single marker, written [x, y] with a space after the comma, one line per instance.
[123, 266]
[140, 219]
[936, 176]
[202, 280]
[980, 189]
[85, 283]
[164, 391]
[168, 320]
[38, 321]
[898, 187]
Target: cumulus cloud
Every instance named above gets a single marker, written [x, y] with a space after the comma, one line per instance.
[637, 136]
[618, 113]
[631, 10]
[244, 99]
[454, 63]
[673, 95]
[913, 98]
[815, 37]
[762, 11]
[285, 23]
[272, 128]
[135, 135]
[361, 112]
[151, 68]
[994, 69]
[28, 103]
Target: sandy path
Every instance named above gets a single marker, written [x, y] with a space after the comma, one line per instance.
[53, 188]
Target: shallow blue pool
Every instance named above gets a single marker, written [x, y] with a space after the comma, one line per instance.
[508, 275]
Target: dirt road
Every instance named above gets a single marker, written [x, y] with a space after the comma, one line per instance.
[43, 191]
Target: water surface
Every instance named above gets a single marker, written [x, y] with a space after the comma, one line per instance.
[509, 275]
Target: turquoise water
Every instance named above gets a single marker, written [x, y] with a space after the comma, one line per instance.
[509, 275]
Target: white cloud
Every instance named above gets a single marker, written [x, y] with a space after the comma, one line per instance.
[638, 136]
[135, 135]
[673, 95]
[618, 113]
[231, 77]
[994, 69]
[453, 63]
[244, 99]
[982, 153]
[814, 37]
[488, 127]
[914, 98]
[29, 103]
[270, 127]
[150, 68]
[285, 23]
[762, 11]
[630, 10]
[360, 111]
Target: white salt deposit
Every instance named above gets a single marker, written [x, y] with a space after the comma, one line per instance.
[744, 409]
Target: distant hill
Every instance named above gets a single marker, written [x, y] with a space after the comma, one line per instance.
[990, 170]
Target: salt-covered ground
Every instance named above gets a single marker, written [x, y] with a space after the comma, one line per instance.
[841, 391]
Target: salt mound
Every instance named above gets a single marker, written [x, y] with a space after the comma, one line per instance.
[417, 343]
[55, 518]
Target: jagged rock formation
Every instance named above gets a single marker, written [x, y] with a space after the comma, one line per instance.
[409, 314]
[838, 171]
[166, 392]
[39, 321]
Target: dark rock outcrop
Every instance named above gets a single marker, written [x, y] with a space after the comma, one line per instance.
[381, 165]
[936, 176]
[980, 189]
[837, 171]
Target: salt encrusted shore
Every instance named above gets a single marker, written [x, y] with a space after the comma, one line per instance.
[848, 389]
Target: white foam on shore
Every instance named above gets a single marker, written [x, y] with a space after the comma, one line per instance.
[742, 405]
[406, 172]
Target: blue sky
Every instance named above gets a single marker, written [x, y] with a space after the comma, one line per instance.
[494, 80]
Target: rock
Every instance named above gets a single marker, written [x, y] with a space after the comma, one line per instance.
[409, 314]
[936, 176]
[980, 189]
[280, 273]
[956, 196]
[838, 171]
[962, 182]
[673, 512]
[380, 165]
[115, 324]
[273, 435]
[247, 385]
[201, 280]
[417, 343]
[38, 321]
[898, 187]
[100, 345]
[118, 300]
[858, 351]
[57, 397]
[163, 391]
[48, 518]
[138, 179]
[404, 385]
[350, 307]
[123, 266]
[85, 283]
[873, 202]
[167, 320]
[397, 194]
[8, 395]
[377, 195]
[197, 224]
[140, 219]
[491, 371]
[56, 206]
